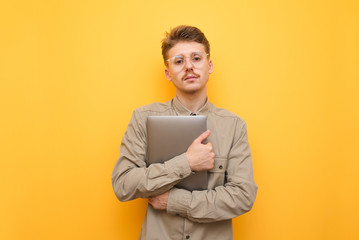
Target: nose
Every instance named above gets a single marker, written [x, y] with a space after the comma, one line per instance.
[188, 63]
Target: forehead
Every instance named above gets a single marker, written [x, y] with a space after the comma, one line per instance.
[185, 48]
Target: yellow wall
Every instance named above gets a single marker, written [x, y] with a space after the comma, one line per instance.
[72, 71]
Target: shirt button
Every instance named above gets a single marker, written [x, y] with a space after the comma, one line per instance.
[181, 175]
[187, 237]
[220, 167]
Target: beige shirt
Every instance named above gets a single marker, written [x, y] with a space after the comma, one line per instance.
[190, 215]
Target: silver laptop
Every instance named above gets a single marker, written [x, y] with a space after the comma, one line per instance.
[170, 136]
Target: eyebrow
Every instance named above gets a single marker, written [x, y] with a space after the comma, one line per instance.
[182, 55]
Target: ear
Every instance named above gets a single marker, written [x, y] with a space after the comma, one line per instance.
[210, 64]
[168, 75]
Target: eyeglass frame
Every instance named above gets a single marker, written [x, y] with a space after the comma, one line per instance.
[185, 57]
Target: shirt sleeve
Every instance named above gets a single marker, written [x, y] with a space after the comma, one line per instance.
[225, 202]
[131, 178]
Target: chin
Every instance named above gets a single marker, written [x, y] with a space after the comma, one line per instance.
[192, 90]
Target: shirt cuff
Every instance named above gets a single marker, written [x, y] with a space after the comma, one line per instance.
[178, 202]
[178, 166]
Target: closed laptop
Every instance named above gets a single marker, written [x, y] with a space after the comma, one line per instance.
[170, 136]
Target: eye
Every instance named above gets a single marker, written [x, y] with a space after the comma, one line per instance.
[196, 58]
[178, 60]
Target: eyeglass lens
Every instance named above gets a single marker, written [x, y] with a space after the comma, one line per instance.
[179, 61]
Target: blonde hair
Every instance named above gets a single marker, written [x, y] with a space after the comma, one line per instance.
[183, 33]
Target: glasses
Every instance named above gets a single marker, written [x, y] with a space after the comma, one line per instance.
[179, 61]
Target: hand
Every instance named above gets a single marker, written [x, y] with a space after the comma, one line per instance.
[159, 202]
[200, 156]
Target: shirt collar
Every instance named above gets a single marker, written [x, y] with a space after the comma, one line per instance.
[182, 110]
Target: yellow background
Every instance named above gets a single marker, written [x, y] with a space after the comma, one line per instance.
[72, 71]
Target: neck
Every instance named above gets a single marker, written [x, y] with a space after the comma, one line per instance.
[192, 101]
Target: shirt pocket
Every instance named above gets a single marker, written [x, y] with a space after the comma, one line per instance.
[217, 175]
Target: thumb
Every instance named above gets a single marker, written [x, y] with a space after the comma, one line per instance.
[203, 136]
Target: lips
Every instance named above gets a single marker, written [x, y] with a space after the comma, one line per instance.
[190, 77]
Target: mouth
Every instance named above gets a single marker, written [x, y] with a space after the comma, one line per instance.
[190, 77]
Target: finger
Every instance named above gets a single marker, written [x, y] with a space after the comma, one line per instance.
[203, 136]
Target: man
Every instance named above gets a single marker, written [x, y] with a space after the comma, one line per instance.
[175, 213]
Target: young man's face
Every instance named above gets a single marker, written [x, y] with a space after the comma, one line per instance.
[188, 67]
